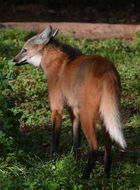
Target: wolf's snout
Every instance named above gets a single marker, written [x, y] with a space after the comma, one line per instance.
[14, 60]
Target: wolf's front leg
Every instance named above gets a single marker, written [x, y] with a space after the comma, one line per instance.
[56, 118]
[76, 131]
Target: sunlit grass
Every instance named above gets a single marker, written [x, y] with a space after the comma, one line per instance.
[24, 152]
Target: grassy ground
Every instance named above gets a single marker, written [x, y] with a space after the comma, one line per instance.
[26, 128]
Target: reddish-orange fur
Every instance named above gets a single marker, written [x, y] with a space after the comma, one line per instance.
[90, 87]
[78, 81]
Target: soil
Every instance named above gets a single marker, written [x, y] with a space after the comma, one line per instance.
[87, 22]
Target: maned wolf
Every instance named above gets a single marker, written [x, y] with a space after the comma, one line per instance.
[88, 85]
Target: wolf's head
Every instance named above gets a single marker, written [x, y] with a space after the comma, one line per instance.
[31, 52]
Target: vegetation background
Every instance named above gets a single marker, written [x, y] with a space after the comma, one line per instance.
[25, 127]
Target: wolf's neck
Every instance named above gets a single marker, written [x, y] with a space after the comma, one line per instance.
[69, 51]
[55, 56]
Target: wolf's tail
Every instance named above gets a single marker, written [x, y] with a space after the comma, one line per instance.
[110, 114]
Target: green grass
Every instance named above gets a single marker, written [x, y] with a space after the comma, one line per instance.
[26, 128]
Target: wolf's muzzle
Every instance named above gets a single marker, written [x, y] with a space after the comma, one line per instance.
[20, 63]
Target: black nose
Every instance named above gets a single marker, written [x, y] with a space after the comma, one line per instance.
[14, 60]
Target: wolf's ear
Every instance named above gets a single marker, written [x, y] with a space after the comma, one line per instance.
[44, 37]
[54, 33]
[46, 34]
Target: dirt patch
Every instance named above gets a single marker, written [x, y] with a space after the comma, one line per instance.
[82, 30]
[86, 22]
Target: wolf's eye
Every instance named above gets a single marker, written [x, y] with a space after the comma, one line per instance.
[24, 50]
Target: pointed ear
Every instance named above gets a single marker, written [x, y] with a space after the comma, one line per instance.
[54, 33]
[46, 34]
[44, 37]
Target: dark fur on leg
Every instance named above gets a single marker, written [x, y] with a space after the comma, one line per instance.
[77, 142]
[107, 167]
[56, 119]
[92, 157]
[108, 154]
